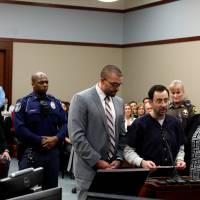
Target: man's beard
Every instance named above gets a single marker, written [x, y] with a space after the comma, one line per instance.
[111, 94]
[41, 94]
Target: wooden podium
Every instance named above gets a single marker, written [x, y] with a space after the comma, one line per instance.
[158, 188]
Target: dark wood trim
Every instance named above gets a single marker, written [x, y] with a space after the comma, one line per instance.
[7, 47]
[129, 45]
[62, 42]
[160, 42]
[87, 8]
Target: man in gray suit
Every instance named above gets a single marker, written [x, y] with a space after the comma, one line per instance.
[89, 129]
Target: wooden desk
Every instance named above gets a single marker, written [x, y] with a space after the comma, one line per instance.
[186, 191]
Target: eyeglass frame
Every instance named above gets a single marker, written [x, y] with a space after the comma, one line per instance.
[113, 84]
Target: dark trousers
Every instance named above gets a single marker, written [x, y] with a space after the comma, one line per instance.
[49, 160]
[65, 151]
[4, 167]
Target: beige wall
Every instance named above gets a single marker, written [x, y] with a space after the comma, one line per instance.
[74, 68]
[70, 68]
[145, 66]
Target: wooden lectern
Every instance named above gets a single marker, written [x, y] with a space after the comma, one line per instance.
[160, 189]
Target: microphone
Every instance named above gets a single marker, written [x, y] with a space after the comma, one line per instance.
[164, 137]
[175, 176]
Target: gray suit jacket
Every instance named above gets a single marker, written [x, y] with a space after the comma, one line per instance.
[88, 131]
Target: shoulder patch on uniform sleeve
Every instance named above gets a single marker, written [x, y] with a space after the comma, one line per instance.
[18, 107]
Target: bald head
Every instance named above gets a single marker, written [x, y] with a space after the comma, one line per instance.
[40, 83]
[37, 75]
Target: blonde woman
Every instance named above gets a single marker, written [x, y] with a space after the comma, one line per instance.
[128, 116]
[140, 109]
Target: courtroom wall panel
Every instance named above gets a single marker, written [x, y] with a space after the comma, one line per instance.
[70, 68]
[160, 64]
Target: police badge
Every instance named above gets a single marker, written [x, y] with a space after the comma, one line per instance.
[18, 107]
[185, 113]
[53, 105]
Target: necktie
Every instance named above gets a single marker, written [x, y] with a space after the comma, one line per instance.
[111, 128]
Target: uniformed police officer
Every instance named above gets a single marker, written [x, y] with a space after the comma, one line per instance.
[40, 124]
[180, 107]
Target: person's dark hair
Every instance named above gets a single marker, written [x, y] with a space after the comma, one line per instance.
[145, 99]
[157, 88]
[132, 102]
[67, 104]
[108, 69]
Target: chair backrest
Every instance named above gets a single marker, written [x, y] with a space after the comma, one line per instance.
[50, 194]
[20, 182]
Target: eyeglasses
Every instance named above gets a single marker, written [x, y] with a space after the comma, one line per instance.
[115, 85]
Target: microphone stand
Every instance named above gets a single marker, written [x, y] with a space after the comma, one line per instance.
[175, 176]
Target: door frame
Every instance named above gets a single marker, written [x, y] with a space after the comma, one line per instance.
[7, 47]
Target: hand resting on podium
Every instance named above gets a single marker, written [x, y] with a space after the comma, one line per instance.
[148, 164]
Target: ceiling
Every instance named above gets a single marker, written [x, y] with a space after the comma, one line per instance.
[120, 4]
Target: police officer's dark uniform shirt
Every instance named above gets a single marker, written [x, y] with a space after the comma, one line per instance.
[149, 138]
[33, 121]
[34, 118]
[182, 112]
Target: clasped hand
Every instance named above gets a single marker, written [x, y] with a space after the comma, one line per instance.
[48, 142]
[5, 155]
[102, 164]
